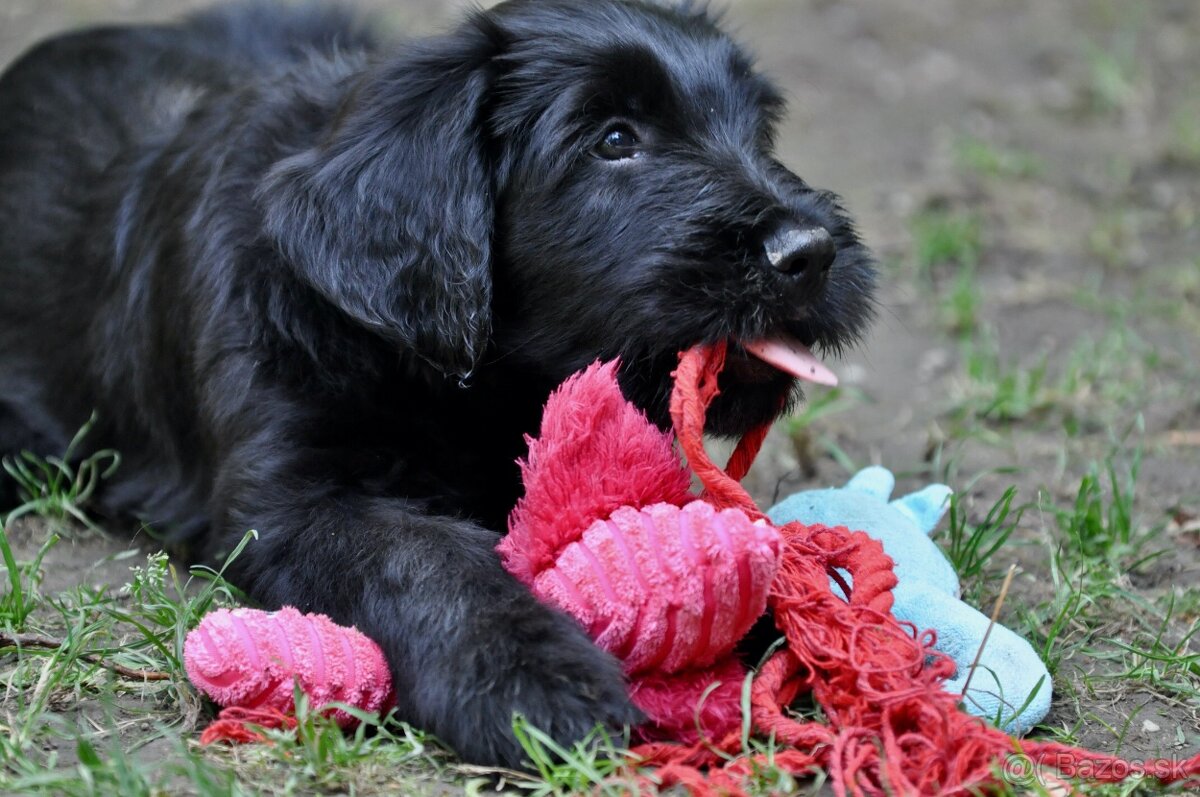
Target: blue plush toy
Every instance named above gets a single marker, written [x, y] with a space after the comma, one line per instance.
[1011, 685]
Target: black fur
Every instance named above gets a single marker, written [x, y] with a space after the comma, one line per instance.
[320, 286]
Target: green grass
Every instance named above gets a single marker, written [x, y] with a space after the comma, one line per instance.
[80, 667]
[1100, 526]
[23, 580]
[971, 545]
[945, 237]
[1166, 294]
[947, 245]
[1090, 387]
[1102, 542]
[1183, 146]
[55, 488]
[1114, 236]
[997, 391]
[1113, 75]
[593, 765]
[1161, 658]
[319, 755]
[1099, 639]
[977, 156]
[70, 676]
[106, 768]
[89, 646]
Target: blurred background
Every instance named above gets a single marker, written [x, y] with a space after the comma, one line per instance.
[1029, 174]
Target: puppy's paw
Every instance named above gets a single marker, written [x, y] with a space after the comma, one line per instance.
[470, 647]
[568, 686]
[540, 665]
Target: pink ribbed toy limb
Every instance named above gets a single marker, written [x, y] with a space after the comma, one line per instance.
[252, 659]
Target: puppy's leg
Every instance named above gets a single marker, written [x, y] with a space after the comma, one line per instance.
[468, 644]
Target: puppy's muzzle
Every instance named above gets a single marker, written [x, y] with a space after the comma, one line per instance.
[798, 250]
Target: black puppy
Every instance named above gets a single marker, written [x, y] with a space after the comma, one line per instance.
[320, 287]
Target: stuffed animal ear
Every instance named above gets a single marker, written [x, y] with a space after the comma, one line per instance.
[875, 480]
[390, 216]
[925, 507]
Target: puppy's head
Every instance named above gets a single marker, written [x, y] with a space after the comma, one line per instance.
[564, 181]
[643, 210]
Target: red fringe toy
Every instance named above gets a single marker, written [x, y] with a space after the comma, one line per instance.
[891, 729]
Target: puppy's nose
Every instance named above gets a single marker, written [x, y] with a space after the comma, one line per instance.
[793, 249]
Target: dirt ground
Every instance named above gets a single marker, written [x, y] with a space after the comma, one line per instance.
[1051, 151]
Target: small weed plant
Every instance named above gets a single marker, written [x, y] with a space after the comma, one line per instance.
[58, 488]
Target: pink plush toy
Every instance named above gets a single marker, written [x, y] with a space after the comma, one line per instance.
[609, 532]
[252, 659]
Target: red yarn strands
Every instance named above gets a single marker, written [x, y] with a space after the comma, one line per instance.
[240, 725]
[891, 729]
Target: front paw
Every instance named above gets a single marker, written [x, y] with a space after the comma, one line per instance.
[572, 686]
[539, 664]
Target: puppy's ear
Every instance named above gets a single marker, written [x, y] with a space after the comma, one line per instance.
[389, 217]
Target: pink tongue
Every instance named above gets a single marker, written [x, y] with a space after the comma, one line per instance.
[793, 357]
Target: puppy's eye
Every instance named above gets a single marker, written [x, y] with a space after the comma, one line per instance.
[619, 143]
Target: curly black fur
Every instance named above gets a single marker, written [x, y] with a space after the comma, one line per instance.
[319, 286]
